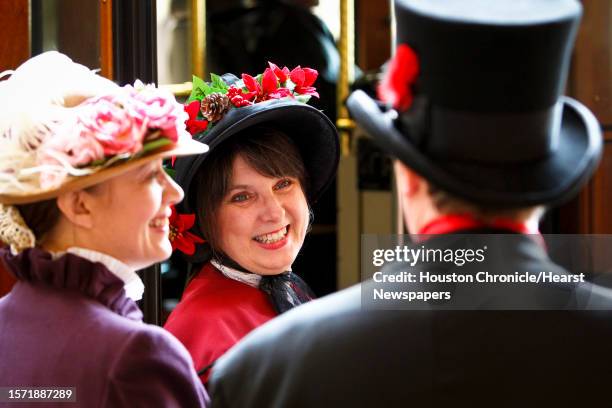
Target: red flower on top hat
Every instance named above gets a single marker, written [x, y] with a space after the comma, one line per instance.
[180, 237]
[396, 86]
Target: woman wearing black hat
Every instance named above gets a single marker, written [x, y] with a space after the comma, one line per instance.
[271, 156]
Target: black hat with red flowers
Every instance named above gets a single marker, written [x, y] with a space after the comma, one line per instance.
[472, 100]
[277, 98]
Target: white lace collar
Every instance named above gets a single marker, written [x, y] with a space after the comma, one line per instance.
[133, 286]
[251, 279]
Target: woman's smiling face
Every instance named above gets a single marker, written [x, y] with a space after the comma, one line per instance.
[262, 221]
[130, 214]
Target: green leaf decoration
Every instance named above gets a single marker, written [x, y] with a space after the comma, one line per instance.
[197, 92]
[155, 144]
[208, 89]
[217, 82]
[217, 90]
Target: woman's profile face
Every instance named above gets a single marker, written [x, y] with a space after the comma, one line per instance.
[262, 221]
[131, 215]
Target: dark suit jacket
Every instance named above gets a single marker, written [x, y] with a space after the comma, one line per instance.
[332, 353]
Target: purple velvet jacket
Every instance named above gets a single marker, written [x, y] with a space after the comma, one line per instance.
[67, 322]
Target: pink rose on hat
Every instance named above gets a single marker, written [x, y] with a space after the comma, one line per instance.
[70, 149]
[156, 109]
[111, 125]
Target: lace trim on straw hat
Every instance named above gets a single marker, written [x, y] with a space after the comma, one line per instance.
[14, 231]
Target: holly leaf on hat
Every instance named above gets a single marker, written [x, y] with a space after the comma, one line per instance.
[217, 82]
[201, 89]
[197, 89]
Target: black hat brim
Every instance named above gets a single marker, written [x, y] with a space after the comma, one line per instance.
[313, 133]
[549, 180]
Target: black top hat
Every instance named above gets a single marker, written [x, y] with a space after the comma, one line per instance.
[488, 122]
[312, 132]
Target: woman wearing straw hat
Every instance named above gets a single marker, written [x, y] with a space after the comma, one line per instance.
[84, 202]
[271, 156]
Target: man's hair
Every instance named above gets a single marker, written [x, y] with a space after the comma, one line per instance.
[446, 202]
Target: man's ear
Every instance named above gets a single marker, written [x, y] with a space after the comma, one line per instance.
[409, 183]
[76, 207]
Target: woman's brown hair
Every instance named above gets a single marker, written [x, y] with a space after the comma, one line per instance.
[269, 151]
[40, 217]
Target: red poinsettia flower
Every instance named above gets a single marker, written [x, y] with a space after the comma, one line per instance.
[255, 91]
[280, 93]
[303, 78]
[269, 88]
[396, 86]
[281, 74]
[179, 236]
[194, 125]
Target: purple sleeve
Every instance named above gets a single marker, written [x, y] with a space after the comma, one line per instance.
[154, 370]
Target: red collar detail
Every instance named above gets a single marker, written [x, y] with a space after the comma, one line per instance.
[450, 223]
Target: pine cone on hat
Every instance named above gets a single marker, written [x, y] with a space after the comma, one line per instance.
[214, 106]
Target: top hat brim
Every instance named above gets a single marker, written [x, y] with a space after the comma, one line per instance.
[314, 135]
[185, 147]
[549, 180]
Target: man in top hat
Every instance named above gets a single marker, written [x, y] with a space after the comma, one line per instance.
[483, 141]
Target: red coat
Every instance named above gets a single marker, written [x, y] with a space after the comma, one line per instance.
[214, 313]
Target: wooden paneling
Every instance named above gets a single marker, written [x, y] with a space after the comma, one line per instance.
[373, 19]
[14, 49]
[591, 83]
[592, 79]
[106, 38]
[602, 192]
[78, 32]
[15, 44]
